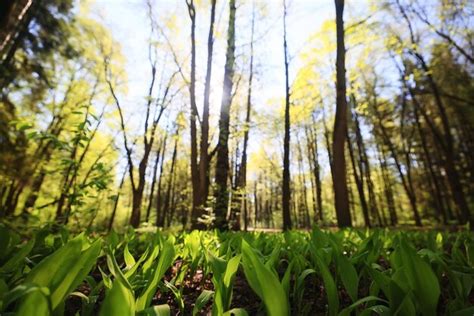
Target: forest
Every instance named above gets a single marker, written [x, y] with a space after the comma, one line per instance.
[237, 157]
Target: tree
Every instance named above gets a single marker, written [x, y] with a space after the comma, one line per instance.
[154, 108]
[341, 197]
[204, 160]
[286, 196]
[197, 210]
[222, 160]
[242, 171]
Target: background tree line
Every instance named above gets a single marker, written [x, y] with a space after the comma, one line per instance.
[374, 126]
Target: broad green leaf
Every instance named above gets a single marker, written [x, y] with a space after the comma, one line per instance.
[347, 311]
[129, 260]
[378, 309]
[421, 279]
[298, 289]
[329, 285]
[77, 272]
[35, 303]
[236, 312]
[348, 275]
[264, 282]
[157, 310]
[18, 257]
[129, 273]
[202, 300]
[118, 301]
[63, 270]
[164, 262]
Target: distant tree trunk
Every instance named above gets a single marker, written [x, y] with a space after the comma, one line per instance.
[153, 181]
[327, 140]
[340, 126]
[366, 166]
[286, 196]
[387, 184]
[166, 207]
[407, 184]
[256, 202]
[159, 210]
[197, 209]
[34, 191]
[359, 181]
[448, 143]
[222, 162]
[304, 197]
[204, 146]
[116, 201]
[315, 167]
[439, 205]
[242, 170]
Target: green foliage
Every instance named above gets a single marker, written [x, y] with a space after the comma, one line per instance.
[264, 282]
[358, 272]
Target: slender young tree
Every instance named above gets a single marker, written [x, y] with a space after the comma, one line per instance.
[286, 196]
[222, 162]
[242, 172]
[339, 172]
[204, 146]
[197, 210]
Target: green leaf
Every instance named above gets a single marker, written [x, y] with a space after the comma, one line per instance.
[202, 300]
[63, 270]
[236, 312]
[264, 283]
[421, 279]
[164, 262]
[118, 301]
[348, 275]
[77, 272]
[379, 309]
[347, 311]
[18, 257]
[157, 310]
[177, 294]
[129, 260]
[36, 303]
[298, 289]
[329, 285]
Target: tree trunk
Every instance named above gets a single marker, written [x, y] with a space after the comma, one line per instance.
[197, 210]
[286, 196]
[166, 207]
[159, 210]
[153, 181]
[340, 126]
[359, 181]
[204, 148]
[222, 163]
[116, 201]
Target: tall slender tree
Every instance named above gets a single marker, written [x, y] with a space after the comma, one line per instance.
[340, 126]
[197, 210]
[204, 146]
[222, 162]
[286, 196]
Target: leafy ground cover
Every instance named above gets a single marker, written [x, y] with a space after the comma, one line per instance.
[348, 272]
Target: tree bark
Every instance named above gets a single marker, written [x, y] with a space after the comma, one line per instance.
[204, 146]
[339, 172]
[286, 193]
[222, 161]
